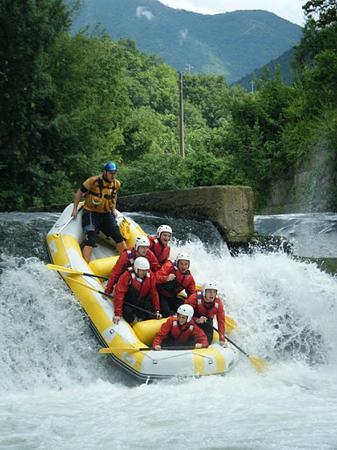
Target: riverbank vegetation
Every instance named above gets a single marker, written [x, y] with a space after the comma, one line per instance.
[71, 102]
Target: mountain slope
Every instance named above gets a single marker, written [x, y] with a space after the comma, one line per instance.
[283, 62]
[232, 44]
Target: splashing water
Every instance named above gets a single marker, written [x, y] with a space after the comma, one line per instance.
[57, 392]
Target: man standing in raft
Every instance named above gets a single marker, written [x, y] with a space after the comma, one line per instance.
[206, 305]
[127, 258]
[136, 286]
[99, 209]
[180, 330]
[159, 244]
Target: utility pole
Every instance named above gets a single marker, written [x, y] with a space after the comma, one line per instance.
[253, 86]
[188, 68]
[181, 116]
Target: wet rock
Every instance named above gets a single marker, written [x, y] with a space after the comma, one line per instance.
[265, 244]
[329, 265]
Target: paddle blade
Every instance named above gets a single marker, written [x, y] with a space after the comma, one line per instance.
[230, 324]
[259, 364]
[63, 269]
[125, 228]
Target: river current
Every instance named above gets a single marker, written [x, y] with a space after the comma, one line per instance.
[57, 392]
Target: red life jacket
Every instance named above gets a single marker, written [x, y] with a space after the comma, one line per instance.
[208, 310]
[182, 280]
[132, 255]
[180, 333]
[161, 252]
[142, 285]
[125, 260]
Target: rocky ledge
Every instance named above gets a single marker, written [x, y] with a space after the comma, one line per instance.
[229, 208]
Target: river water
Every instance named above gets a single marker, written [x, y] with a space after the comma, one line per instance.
[312, 234]
[57, 392]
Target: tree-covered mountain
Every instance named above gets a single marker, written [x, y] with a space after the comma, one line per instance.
[282, 63]
[232, 44]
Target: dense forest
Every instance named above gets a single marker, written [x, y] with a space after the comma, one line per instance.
[68, 103]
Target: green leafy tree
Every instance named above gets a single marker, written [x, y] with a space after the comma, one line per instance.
[90, 103]
[142, 134]
[210, 94]
[28, 31]
[155, 173]
[316, 54]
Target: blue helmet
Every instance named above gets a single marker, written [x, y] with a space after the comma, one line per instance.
[110, 166]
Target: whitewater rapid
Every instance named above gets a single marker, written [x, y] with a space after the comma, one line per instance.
[57, 392]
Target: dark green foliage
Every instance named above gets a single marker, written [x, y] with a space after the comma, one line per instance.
[210, 94]
[316, 54]
[154, 172]
[71, 102]
[171, 172]
[90, 103]
[27, 33]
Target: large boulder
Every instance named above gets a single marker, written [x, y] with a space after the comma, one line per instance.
[229, 208]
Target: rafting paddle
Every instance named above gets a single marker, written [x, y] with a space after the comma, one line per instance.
[68, 221]
[259, 363]
[73, 271]
[111, 296]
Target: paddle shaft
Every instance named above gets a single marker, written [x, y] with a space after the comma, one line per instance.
[127, 303]
[73, 271]
[132, 305]
[259, 364]
[236, 346]
[111, 296]
[233, 343]
[68, 221]
[101, 277]
[65, 224]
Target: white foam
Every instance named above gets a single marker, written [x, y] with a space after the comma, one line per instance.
[57, 392]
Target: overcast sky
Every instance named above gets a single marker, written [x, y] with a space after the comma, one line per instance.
[288, 9]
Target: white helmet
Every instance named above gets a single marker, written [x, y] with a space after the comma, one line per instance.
[184, 256]
[142, 241]
[186, 310]
[163, 229]
[141, 263]
[209, 285]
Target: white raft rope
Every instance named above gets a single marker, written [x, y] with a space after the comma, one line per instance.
[210, 359]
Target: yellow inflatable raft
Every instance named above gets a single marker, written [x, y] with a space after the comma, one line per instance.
[122, 340]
